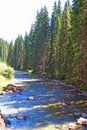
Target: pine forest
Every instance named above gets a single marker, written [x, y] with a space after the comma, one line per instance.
[55, 47]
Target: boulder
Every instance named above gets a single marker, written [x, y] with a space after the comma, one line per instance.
[20, 88]
[82, 121]
[78, 114]
[72, 126]
[69, 126]
[62, 106]
[10, 86]
[30, 98]
[84, 115]
[1, 93]
[13, 88]
[7, 122]
[21, 117]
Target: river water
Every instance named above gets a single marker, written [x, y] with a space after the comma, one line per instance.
[45, 104]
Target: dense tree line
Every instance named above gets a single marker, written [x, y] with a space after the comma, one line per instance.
[79, 42]
[55, 47]
[4, 45]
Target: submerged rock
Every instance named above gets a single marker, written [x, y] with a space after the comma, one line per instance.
[7, 122]
[69, 126]
[62, 106]
[1, 93]
[77, 114]
[21, 117]
[84, 115]
[30, 98]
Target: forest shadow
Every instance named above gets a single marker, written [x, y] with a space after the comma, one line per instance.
[51, 105]
[38, 113]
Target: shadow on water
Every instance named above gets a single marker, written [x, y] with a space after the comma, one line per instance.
[52, 104]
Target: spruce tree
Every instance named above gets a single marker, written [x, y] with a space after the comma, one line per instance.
[79, 20]
[26, 51]
[55, 36]
[19, 53]
[10, 54]
[63, 36]
[3, 50]
[41, 40]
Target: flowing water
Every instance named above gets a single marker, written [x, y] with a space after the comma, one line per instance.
[46, 104]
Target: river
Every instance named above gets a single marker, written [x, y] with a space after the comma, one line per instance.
[45, 104]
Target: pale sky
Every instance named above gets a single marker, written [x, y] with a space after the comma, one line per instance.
[16, 16]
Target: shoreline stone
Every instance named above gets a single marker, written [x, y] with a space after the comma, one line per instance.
[2, 123]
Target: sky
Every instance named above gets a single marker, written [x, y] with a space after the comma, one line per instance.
[16, 16]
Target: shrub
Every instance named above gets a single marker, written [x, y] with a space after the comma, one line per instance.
[2, 66]
[6, 71]
[44, 74]
[30, 71]
[2, 79]
[83, 86]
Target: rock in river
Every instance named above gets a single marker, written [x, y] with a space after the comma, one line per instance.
[21, 117]
[82, 121]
